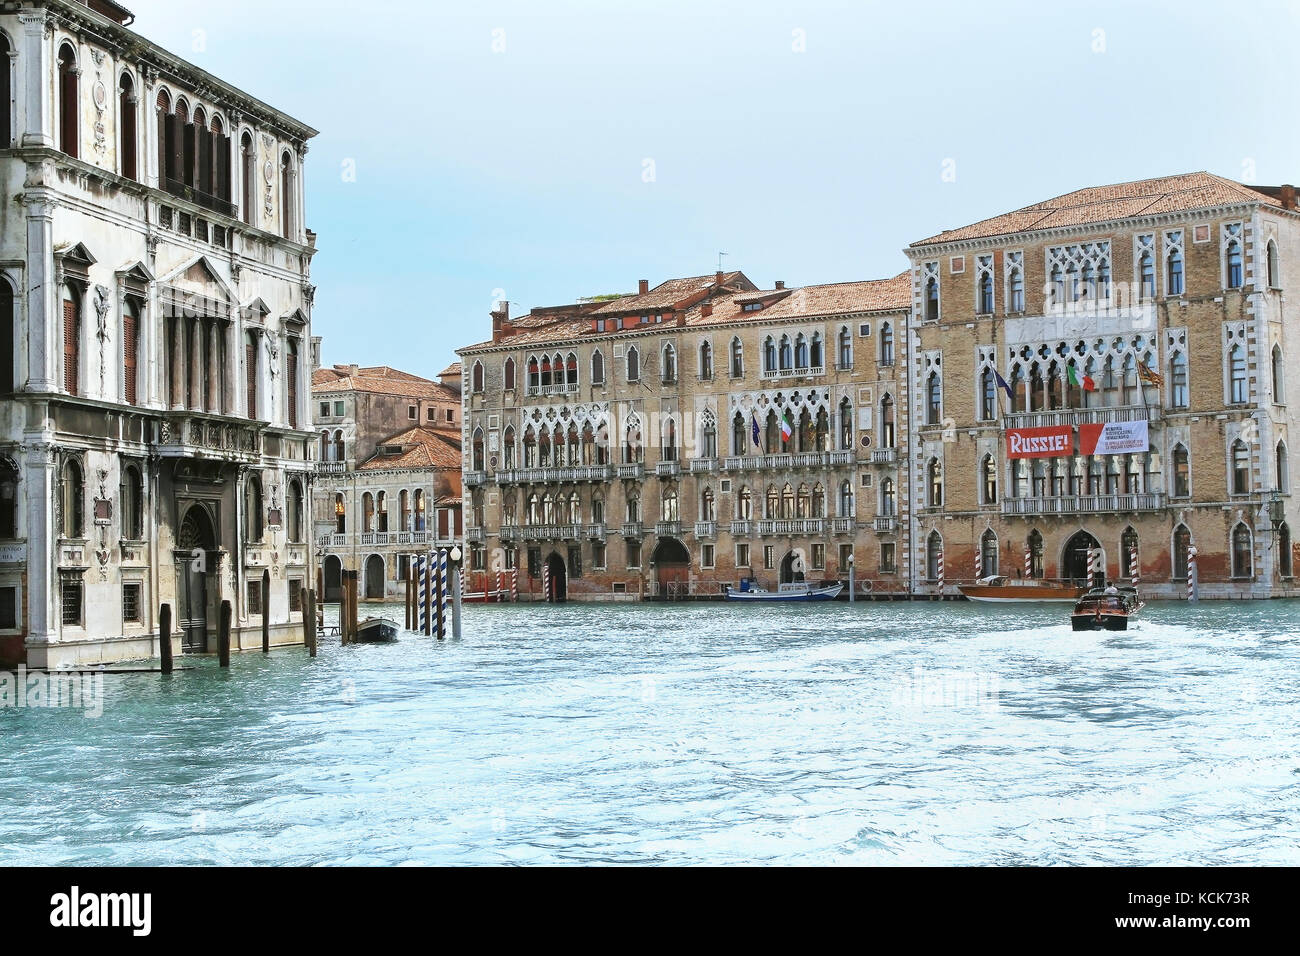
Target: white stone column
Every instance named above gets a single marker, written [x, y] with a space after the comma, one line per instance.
[36, 91]
[44, 338]
[42, 541]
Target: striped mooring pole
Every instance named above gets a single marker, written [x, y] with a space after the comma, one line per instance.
[1029, 563]
[979, 563]
[939, 562]
[1191, 573]
[514, 584]
[442, 594]
[1133, 567]
[546, 582]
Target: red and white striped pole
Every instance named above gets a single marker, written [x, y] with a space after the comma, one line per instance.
[1133, 566]
[940, 569]
[979, 563]
[501, 584]
[1191, 573]
[1029, 563]
[514, 584]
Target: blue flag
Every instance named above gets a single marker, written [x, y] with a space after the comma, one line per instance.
[754, 420]
[1002, 384]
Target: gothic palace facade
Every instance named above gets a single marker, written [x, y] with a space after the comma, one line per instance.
[1103, 373]
[155, 442]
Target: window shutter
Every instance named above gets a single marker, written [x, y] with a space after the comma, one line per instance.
[222, 164]
[187, 155]
[205, 162]
[70, 350]
[250, 368]
[68, 111]
[291, 377]
[129, 335]
[172, 147]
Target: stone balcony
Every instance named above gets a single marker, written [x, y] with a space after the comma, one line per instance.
[633, 529]
[884, 456]
[802, 459]
[594, 531]
[633, 469]
[885, 524]
[193, 435]
[380, 539]
[559, 388]
[1082, 504]
[1081, 416]
[771, 374]
[331, 467]
[784, 526]
[525, 476]
[743, 528]
[668, 529]
[703, 465]
[475, 478]
[668, 469]
[706, 529]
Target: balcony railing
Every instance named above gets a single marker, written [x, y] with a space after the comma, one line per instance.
[475, 535]
[549, 532]
[514, 476]
[200, 198]
[1080, 416]
[792, 526]
[884, 456]
[706, 529]
[475, 478]
[1082, 504]
[594, 531]
[842, 525]
[632, 529]
[743, 528]
[634, 469]
[331, 467]
[668, 529]
[375, 539]
[807, 372]
[668, 469]
[801, 459]
[190, 434]
[885, 524]
[557, 388]
[734, 463]
[703, 465]
[509, 532]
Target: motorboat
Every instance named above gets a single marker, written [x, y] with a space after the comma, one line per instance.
[1106, 609]
[794, 591]
[999, 589]
[376, 630]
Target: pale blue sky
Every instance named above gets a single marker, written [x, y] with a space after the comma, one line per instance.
[522, 170]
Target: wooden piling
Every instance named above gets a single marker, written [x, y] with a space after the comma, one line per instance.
[266, 611]
[165, 637]
[309, 621]
[408, 599]
[223, 635]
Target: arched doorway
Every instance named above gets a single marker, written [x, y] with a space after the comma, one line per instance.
[375, 578]
[333, 578]
[672, 567]
[557, 578]
[1074, 563]
[792, 567]
[196, 543]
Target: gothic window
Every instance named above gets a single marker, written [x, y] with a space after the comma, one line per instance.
[1240, 468]
[989, 552]
[131, 502]
[288, 223]
[597, 367]
[888, 498]
[1015, 282]
[367, 513]
[1178, 397]
[707, 512]
[846, 499]
[989, 479]
[381, 511]
[295, 509]
[248, 177]
[1173, 263]
[669, 448]
[933, 399]
[887, 421]
[633, 364]
[1283, 469]
[1035, 554]
[988, 395]
[706, 360]
[9, 347]
[709, 437]
[1146, 276]
[1274, 277]
[1233, 272]
[127, 140]
[933, 556]
[477, 453]
[800, 352]
[668, 505]
[1279, 376]
[932, 299]
[476, 378]
[669, 371]
[739, 434]
[74, 492]
[69, 104]
[934, 484]
[737, 358]
[1237, 391]
[984, 285]
[846, 347]
[253, 510]
[846, 424]
[769, 355]
[886, 344]
[1242, 559]
[508, 375]
[571, 372]
[786, 354]
[745, 504]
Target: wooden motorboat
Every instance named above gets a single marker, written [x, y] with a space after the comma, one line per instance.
[1106, 610]
[377, 629]
[999, 589]
[797, 591]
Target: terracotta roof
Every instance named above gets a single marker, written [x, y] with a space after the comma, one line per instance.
[452, 369]
[1106, 203]
[839, 298]
[379, 379]
[669, 293]
[424, 448]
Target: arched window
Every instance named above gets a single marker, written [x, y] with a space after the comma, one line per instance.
[633, 364]
[845, 347]
[73, 500]
[290, 381]
[933, 399]
[8, 332]
[800, 352]
[846, 424]
[597, 367]
[381, 511]
[988, 395]
[989, 480]
[1035, 544]
[1178, 397]
[251, 372]
[668, 505]
[248, 178]
[633, 506]
[128, 136]
[571, 372]
[418, 499]
[288, 223]
[786, 354]
[932, 300]
[546, 372]
[744, 504]
[706, 360]
[1274, 277]
[130, 351]
[1174, 271]
[217, 168]
[131, 499]
[1146, 276]
[294, 502]
[339, 446]
[739, 434]
[933, 556]
[984, 297]
[846, 499]
[71, 339]
[1016, 290]
[769, 354]
[1234, 271]
[476, 377]
[1283, 467]
[1279, 376]
[888, 498]
[508, 447]
[772, 503]
[1243, 565]
[1182, 542]
[669, 364]
[633, 447]
[668, 450]
[803, 501]
[707, 511]
[1240, 468]
[818, 501]
[737, 358]
[597, 509]
[1237, 375]
[9, 499]
[815, 358]
[886, 344]
[989, 552]
[477, 454]
[708, 436]
[934, 484]
[367, 513]
[253, 510]
[69, 106]
[508, 375]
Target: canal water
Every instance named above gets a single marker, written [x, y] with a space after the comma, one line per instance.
[880, 733]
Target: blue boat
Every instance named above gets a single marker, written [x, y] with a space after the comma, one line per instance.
[796, 591]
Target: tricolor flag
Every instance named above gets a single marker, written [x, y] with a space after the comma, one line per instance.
[787, 426]
[1088, 384]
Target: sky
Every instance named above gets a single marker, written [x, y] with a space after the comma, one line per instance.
[542, 151]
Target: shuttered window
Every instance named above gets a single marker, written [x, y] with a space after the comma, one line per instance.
[71, 346]
[67, 101]
[291, 380]
[250, 370]
[8, 334]
[130, 336]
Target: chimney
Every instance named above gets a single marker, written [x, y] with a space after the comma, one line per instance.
[717, 278]
[500, 321]
[315, 352]
[642, 286]
[1288, 196]
[347, 369]
[780, 283]
[706, 309]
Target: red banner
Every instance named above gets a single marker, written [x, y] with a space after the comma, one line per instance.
[1056, 441]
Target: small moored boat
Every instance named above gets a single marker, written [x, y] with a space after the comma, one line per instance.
[376, 629]
[1106, 610]
[797, 591]
[999, 589]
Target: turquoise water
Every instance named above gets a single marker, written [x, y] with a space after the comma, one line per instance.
[711, 733]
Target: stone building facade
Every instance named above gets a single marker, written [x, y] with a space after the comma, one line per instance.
[389, 473]
[1167, 295]
[155, 314]
[690, 435]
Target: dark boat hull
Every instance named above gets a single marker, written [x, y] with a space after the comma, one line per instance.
[1106, 622]
[376, 630]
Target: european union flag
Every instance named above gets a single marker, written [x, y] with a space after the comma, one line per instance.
[754, 421]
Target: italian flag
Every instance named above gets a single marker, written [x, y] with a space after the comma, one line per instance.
[1088, 384]
[787, 426]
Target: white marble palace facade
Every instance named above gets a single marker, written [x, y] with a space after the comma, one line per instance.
[155, 322]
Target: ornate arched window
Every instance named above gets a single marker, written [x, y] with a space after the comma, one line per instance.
[737, 358]
[69, 101]
[669, 364]
[739, 434]
[1274, 276]
[1243, 565]
[989, 480]
[128, 136]
[477, 462]
[633, 364]
[131, 500]
[476, 377]
[887, 421]
[367, 513]
[888, 498]
[744, 504]
[597, 367]
[508, 375]
[934, 483]
[288, 210]
[707, 510]
[845, 347]
[706, 360]
[933, 399]
[1178, 395]
[989, 552]
[932, 300]
[253, 517]
[846, 499]
[1240, 468]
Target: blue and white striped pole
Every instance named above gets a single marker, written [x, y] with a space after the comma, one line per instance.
[442, 594]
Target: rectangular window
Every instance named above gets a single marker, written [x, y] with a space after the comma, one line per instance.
[633, 555]
[742, 555]
[295, 595]
[887, 556]
[769, 556]
[846, 552]
[819, 557]
[706, 556]
[412, 412]
[254, 602]
[534, 562]
[478, 558]
[8, 609]
[575, 560]
[324, 409]
[598, 556]
[338, 409]
[512, 559]
[431, 414]
[70, 592]
[449, 418]
[131, 603]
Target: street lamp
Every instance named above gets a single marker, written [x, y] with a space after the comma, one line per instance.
[1276, 510]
